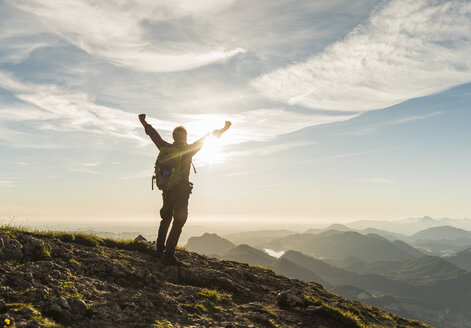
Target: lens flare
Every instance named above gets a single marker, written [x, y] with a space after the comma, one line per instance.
[212, 151]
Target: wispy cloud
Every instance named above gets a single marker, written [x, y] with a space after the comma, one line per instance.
[368, 129]
[406, 49]
[116, 31]
[260, 124]
[56, 109]
[7, 183]
[16, 38]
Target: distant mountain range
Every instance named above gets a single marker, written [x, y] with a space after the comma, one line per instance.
[412, 225]
[421, 270]
[257, 238]
[379, 267]
[417, 288]
[440, 233]
[442, 240]
[338, 245]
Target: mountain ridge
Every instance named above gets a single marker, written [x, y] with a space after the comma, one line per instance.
[62, 279]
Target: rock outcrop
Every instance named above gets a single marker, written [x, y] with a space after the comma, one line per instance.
[60, 279]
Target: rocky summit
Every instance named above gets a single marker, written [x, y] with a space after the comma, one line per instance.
[77, 280]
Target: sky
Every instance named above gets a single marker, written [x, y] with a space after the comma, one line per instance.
[341, 110]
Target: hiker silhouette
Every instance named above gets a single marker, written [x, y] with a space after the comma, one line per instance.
[175, 196]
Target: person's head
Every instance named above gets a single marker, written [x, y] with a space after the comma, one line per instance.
[179, 134]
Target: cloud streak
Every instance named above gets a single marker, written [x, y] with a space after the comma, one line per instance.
[406, 49]
[56, 109]
[260, 124]
[115, 31]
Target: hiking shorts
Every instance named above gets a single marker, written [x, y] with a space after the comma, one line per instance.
[175, 202]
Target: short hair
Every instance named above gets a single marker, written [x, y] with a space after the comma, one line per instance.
[179, 130]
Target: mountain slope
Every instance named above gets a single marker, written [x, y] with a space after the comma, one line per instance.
[209, 244]
[461, 259]
[59, 280]
[250, 255]
[338, 277]
[418, 271]
[257, 238]
[440, 233]
[337, 245]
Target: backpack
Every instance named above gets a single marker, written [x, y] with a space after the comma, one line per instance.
[167, 168]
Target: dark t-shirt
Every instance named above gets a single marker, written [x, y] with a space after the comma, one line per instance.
[188, 150]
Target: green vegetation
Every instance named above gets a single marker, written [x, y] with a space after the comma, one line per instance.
[273, 323]
[212, 295]
[346, 317]
[72, 260]
[207, 319]
[270, 312]
[163, 324]
[311, 300]
[10, 233]
[21, 305]
[46, 322]
[183, 250]
[84, 239]
[208, 307]
[273, 320]
[67, 237]
[87, 240]
[40, 253]
[226, 284]
[262, 268]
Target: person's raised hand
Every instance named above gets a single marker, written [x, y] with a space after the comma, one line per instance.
[142, 118]
[218, 133]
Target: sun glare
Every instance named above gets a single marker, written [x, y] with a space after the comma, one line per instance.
[212, 151]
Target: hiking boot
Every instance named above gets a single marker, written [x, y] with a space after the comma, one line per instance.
[171, 260]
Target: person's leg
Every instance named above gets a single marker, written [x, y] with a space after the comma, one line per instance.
[180, 216]
[166, 213]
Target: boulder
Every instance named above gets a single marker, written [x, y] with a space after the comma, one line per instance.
[290, 298]
[59, 309]
[140, 239]
[11, 248]
[77, 306]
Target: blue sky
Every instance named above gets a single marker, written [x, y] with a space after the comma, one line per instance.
[341, 110]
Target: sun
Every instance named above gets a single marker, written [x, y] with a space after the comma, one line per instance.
[212, 151]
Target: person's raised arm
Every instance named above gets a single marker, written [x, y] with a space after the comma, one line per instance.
[198, 144]
[152, 133]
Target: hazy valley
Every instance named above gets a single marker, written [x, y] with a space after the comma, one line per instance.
[419, 269]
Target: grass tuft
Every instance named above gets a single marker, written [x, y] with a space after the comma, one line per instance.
[212, 295]
[72, 260]
[40, 253]
[163, 324]
[348, 318]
